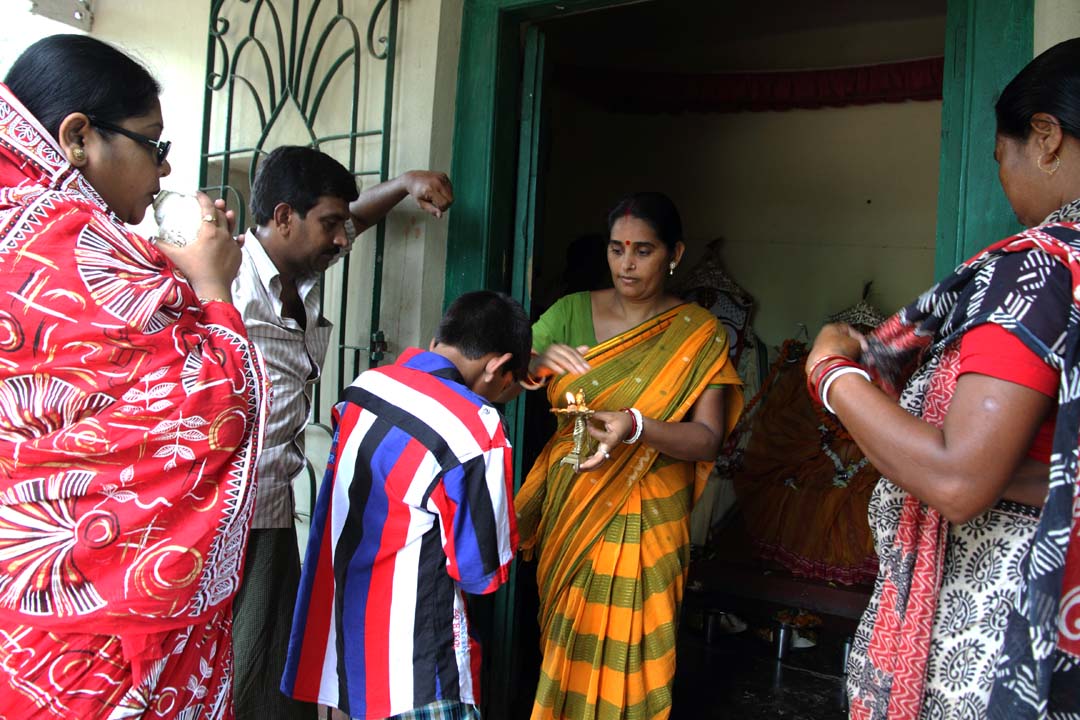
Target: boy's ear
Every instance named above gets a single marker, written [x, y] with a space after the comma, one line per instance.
[495, 365]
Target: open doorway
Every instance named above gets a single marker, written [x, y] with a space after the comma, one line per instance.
[810, 198]
[500, 177]
[801, 196]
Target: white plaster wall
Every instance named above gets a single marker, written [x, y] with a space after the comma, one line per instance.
[175, 55]
[21, 28]
[811, 204]
[170, 39]
[1055, 20]
[415, 259]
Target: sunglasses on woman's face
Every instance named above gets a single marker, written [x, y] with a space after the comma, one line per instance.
[161, 147]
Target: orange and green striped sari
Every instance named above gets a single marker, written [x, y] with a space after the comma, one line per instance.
[613, 544]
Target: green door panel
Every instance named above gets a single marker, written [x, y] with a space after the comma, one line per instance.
[481, 233]
[988, 42]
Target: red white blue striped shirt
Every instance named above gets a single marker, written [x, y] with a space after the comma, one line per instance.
[415, 508]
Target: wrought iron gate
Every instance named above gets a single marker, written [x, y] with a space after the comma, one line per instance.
[303, 72]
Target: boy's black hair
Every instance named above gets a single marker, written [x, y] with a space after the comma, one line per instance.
[298, 176]
[485, 321]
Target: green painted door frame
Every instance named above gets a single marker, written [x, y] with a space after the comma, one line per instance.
[481, 232]
[987, 42]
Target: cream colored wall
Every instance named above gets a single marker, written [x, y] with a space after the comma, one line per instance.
[1055, 20]
[812, 204]
[170, 39]
[415, 258]
[175, 54]
[20, 28]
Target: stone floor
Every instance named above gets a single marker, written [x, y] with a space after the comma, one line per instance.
[738, 677]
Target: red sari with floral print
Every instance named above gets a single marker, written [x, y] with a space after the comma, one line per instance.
[130, 419]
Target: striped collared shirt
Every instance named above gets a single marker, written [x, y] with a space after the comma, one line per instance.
[294, 358]
[415, 508]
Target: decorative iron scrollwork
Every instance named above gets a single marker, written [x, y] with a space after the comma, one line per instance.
[292, 71]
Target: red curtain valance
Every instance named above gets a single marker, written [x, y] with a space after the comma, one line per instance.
[649, 92]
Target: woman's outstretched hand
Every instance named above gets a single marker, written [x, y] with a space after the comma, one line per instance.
[610, 429]
[212, 260]
[559, 359]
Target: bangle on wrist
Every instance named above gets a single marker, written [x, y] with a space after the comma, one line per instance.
[537, 380]
[637, 425]
[815, 390]
[832, 374]
[532, 382]
[811, 386]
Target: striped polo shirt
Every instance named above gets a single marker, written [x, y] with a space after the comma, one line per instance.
[414, 510]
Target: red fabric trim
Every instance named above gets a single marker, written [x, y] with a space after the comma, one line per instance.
[994, 351]
[650, 92]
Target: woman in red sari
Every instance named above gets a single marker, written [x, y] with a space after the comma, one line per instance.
[131, 407]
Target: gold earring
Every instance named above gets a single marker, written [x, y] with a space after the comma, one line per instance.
[1053, 168]
[78, 153]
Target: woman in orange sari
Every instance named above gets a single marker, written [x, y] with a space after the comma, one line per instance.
[612, 539]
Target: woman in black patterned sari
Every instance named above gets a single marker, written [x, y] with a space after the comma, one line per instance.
[968, 401]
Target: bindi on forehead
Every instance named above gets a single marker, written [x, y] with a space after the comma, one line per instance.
[628, 243]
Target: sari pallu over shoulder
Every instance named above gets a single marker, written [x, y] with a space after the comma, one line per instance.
[660, 367]
[130, 415]
[1038, 671]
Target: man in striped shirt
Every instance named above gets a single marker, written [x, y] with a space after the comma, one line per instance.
[414, 511]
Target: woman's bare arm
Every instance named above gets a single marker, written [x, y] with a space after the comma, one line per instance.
[965, 467]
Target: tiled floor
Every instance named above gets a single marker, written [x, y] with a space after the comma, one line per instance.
[737, 677]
